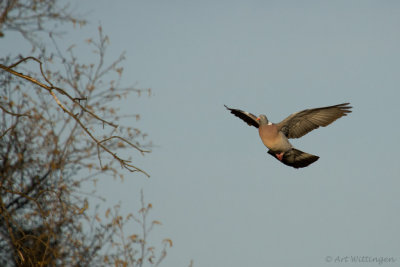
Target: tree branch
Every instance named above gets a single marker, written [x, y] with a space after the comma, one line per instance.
[51, 88]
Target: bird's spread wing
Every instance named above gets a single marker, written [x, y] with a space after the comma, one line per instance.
[249, 118]
[300, 123]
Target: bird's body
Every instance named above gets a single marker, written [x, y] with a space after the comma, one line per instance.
[276, 136]
[274, 139]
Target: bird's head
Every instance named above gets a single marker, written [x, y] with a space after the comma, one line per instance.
[262, 119]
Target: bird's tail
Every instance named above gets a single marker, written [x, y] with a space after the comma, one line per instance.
[296, 158]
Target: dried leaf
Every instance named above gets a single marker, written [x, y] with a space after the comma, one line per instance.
[133, 237]
[119, 71]
[169, 241]
[85, 207]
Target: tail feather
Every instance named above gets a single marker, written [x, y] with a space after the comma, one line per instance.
[296, 158]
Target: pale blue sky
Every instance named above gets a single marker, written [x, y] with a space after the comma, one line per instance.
[221, 198]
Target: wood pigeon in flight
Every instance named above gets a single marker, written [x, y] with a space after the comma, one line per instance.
[275, 136]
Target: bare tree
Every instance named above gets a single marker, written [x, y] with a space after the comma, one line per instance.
[32, 17]
[59, 129]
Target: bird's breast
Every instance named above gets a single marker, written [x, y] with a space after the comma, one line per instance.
[273, 139]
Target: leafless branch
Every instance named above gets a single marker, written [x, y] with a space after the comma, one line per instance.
[51, 88]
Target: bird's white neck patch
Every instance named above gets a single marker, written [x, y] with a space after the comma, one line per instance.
[269, 123]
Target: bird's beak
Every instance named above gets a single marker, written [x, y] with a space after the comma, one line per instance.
[258, 119]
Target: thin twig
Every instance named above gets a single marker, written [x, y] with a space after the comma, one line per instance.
[126, 141]
[14, 114]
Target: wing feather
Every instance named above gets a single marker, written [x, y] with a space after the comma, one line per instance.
[247, 117]
[303, 122]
